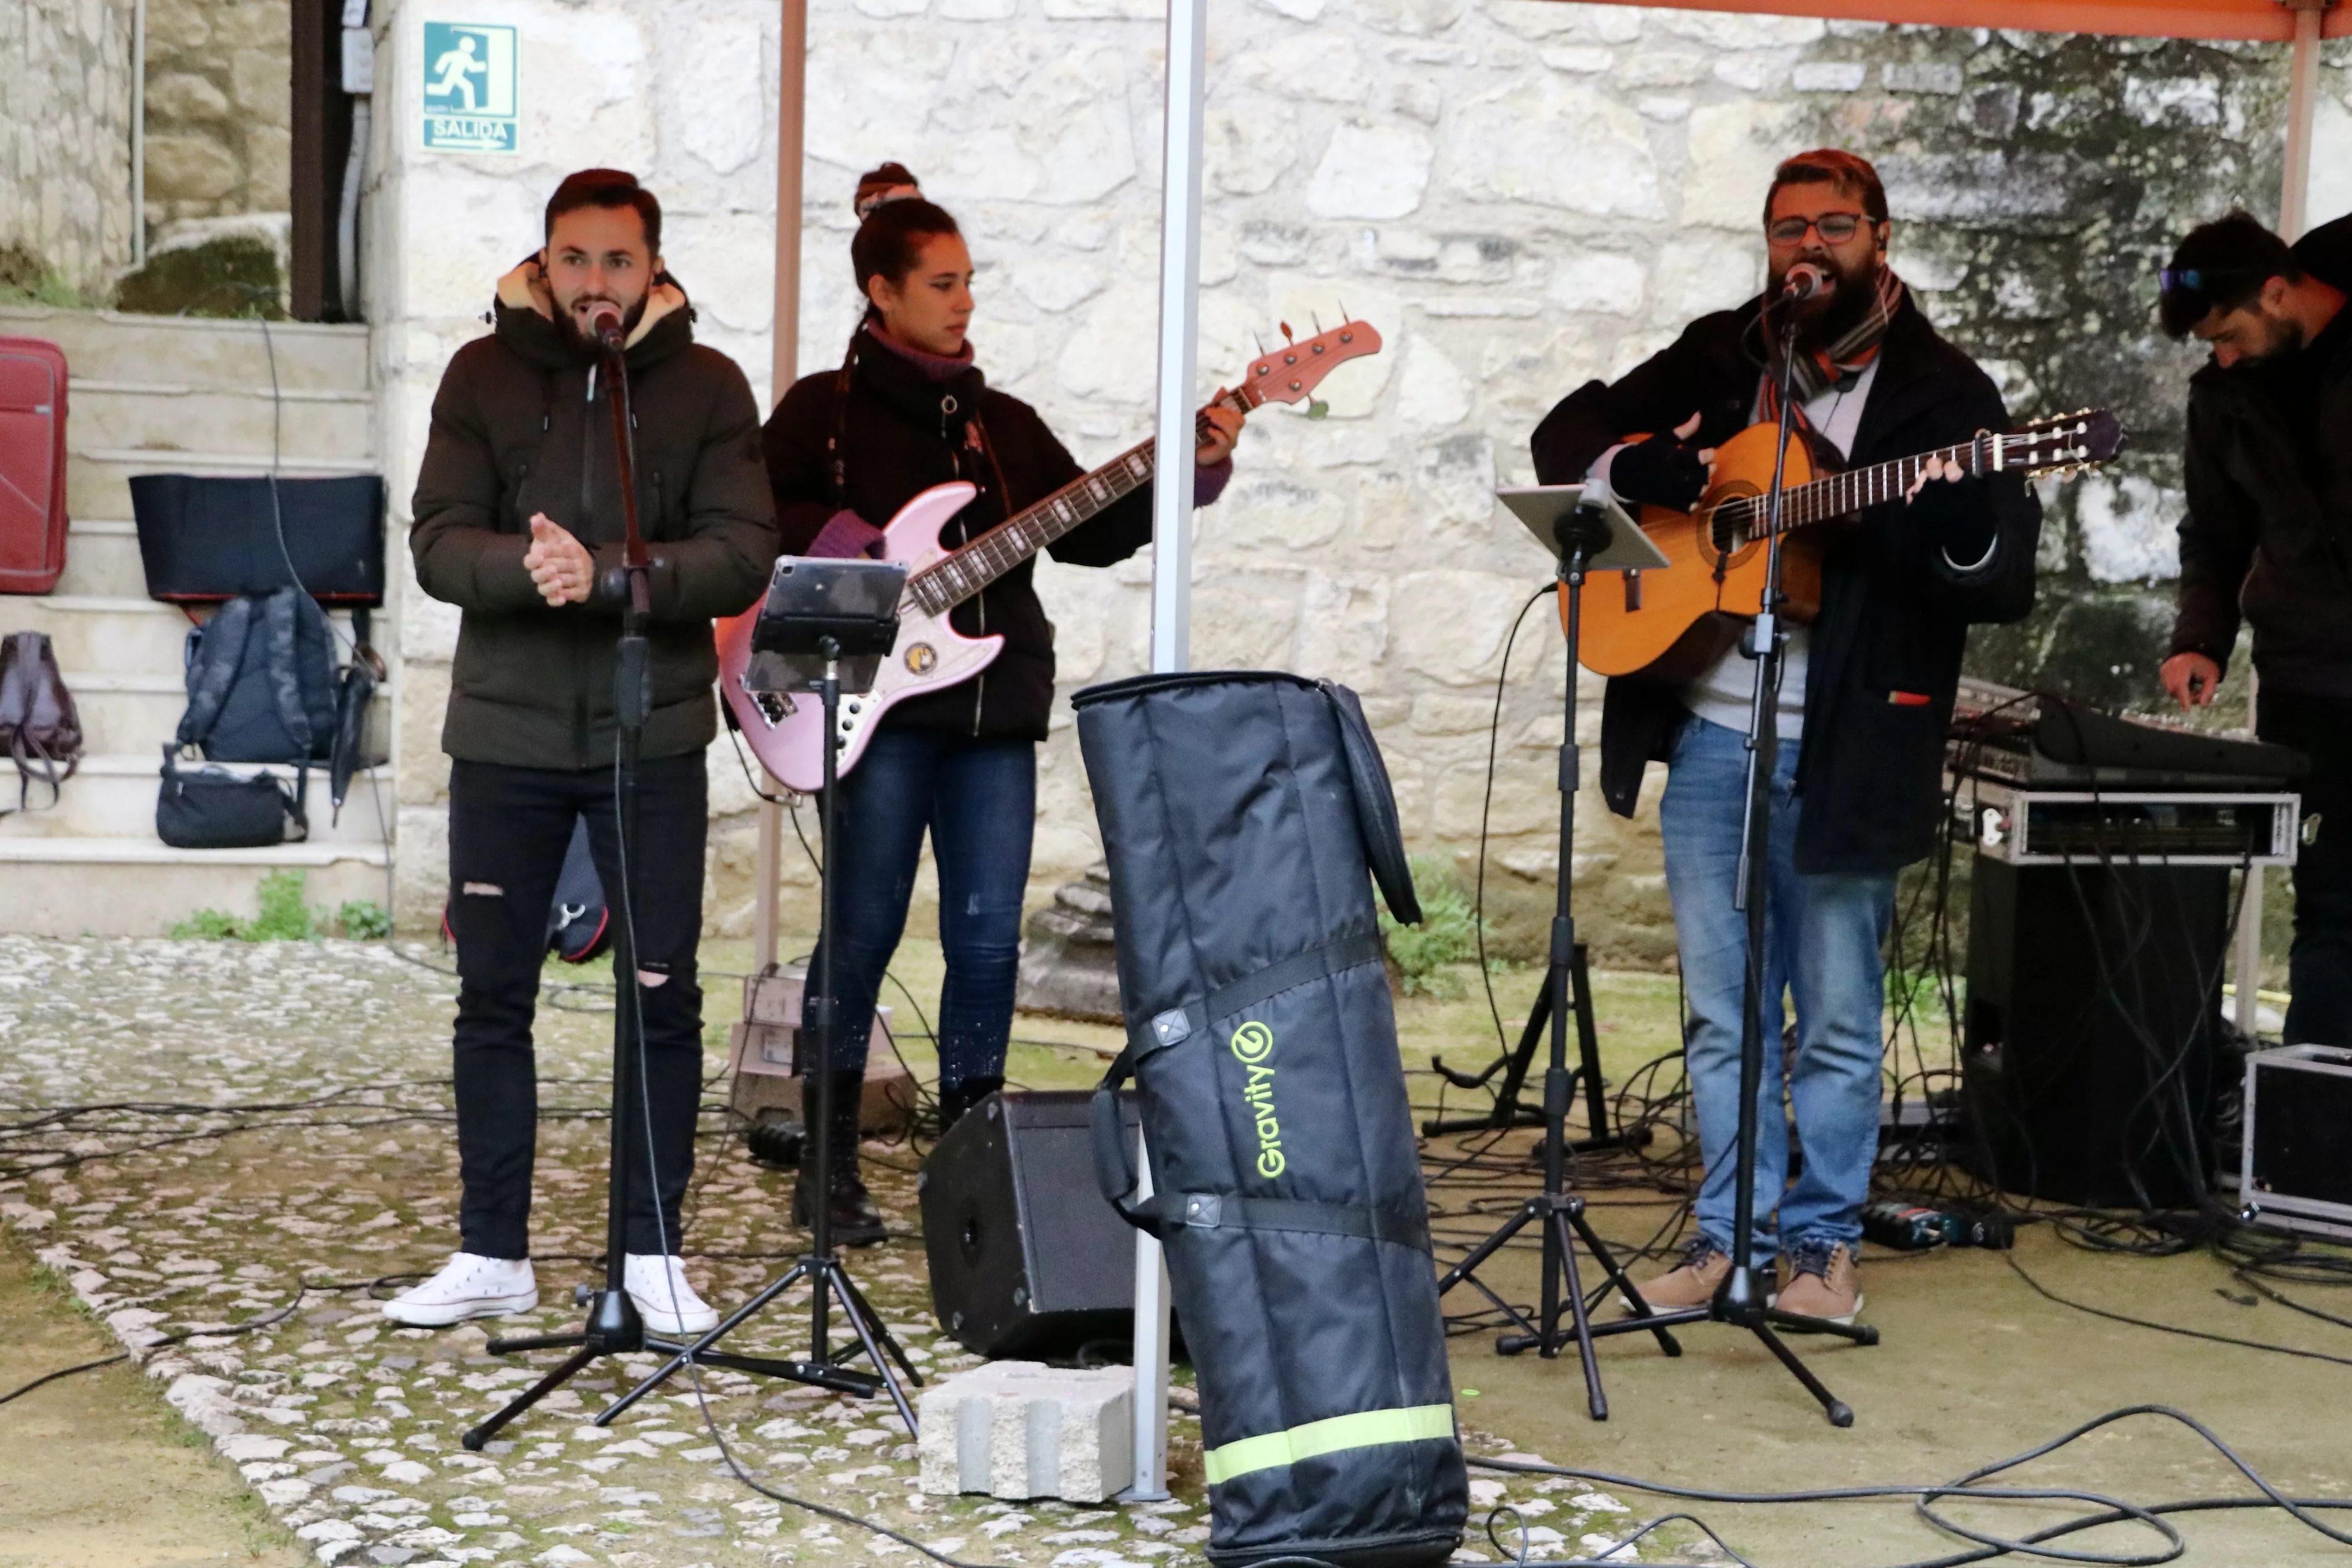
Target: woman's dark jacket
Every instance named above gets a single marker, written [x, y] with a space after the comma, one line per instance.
[514, 433]
[1895, 611]
[2268, 530]
[904, 432]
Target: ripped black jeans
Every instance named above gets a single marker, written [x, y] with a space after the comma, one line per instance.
[509, 828]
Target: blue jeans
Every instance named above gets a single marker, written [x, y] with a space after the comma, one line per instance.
[1821, 948]
[978, 799]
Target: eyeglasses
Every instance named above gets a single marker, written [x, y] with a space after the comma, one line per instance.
[1835, 228]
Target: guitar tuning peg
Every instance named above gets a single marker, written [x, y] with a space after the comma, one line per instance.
[1261, 345]
[1317, 321]
[1344, 317]
[1287, 335]
[1316, 408]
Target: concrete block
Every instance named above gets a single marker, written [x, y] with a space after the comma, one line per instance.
[1023, 1429]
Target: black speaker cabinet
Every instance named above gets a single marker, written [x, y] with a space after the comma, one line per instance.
[2092, 1041]
[1027, 1258]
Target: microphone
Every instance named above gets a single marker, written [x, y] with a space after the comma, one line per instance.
[1803, 281]
[604, 326]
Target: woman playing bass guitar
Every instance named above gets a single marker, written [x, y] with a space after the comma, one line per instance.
[909, 409]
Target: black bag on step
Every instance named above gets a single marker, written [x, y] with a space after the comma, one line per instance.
[218, 809]
[1241, 814]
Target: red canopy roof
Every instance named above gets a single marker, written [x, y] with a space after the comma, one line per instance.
[2266, 20]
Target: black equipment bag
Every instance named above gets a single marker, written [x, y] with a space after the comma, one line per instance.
[1240, 813]
[579, 923]
[204, 540]
[217, 808]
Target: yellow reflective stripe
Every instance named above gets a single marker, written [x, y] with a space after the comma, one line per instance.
[1362, 1430]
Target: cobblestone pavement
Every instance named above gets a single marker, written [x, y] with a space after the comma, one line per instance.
[273, 1119]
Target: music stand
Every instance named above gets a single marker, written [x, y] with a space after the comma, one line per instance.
[825, 625]
[1586, 530]
[1546, 509]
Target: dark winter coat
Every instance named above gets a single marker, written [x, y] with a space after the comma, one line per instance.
[2268, 532]
[519, 426]
[905, 432]
[1895, 612]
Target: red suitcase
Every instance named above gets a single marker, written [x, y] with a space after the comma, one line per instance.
[32, 465]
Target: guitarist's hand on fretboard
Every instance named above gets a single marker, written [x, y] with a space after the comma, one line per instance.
[1221, 427]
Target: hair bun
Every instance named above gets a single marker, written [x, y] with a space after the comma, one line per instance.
[890, 183]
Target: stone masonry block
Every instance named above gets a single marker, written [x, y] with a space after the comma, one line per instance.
[1023, 1429]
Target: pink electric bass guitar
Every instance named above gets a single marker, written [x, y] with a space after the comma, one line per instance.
[786, 732]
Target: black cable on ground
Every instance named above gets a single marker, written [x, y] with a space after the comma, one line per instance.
[1986, 1546]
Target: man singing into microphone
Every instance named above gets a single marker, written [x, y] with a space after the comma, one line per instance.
[519, 525]
[1862, 707]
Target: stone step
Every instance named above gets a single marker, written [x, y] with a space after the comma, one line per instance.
[111, 345]
[98, 478]
[112, 797]
[135, 714]
[310, 423]
[102, 559]
[104, 634]
[139, 886]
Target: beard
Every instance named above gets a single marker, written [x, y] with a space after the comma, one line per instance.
[1824, 319]
[567, 320]
[2283, 339]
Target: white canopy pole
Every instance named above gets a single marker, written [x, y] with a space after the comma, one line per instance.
[1171, 599]
[784, 369]
[2294, 194]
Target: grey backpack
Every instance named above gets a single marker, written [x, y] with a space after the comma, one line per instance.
[39, 728]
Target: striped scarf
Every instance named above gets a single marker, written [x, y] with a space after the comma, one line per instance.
[1820, 369]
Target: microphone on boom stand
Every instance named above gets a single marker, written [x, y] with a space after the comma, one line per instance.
[605, 325]
[1804, 281]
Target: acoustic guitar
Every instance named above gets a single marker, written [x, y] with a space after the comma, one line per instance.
[1671, 622]
[786, 732]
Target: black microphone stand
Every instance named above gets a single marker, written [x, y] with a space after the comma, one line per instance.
[1740, 1301]
[827, 1276]
[614, 1327]
[1582, 534]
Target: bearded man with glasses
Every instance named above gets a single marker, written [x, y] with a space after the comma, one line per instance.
[1862, 705]
[2267, 539]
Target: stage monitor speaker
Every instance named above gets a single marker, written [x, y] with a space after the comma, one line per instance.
[1027, 1258]
[2092, 1040]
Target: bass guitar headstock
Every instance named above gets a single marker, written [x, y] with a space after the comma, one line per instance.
[2066, 444]
[1292, 372]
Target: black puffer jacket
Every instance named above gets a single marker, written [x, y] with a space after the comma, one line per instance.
[1894, 613]
[905, 432]
[514, 432]
[2268, 531]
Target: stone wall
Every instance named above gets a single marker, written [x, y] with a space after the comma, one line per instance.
[1520, 194]
[64, 136]
[219, 109]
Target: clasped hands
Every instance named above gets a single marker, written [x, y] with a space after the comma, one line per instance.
[561, 567]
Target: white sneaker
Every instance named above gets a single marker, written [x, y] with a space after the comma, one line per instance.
[469, 1286]
[665, 1300]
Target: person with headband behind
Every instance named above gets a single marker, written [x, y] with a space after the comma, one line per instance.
[909, 408]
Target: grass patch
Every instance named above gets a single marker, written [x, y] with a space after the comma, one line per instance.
[282, 914]
[235, 276]
[26, 279]
[1447, 934]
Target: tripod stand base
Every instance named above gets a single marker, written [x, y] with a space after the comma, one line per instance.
[1740, 1307]
[1562, 1216]
[831, 1281]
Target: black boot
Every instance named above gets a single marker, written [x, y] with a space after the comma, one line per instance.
[856, 1222]
[955, 1099]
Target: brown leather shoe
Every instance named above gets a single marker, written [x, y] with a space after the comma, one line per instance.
[1691, 1282]
[1824, 1281]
